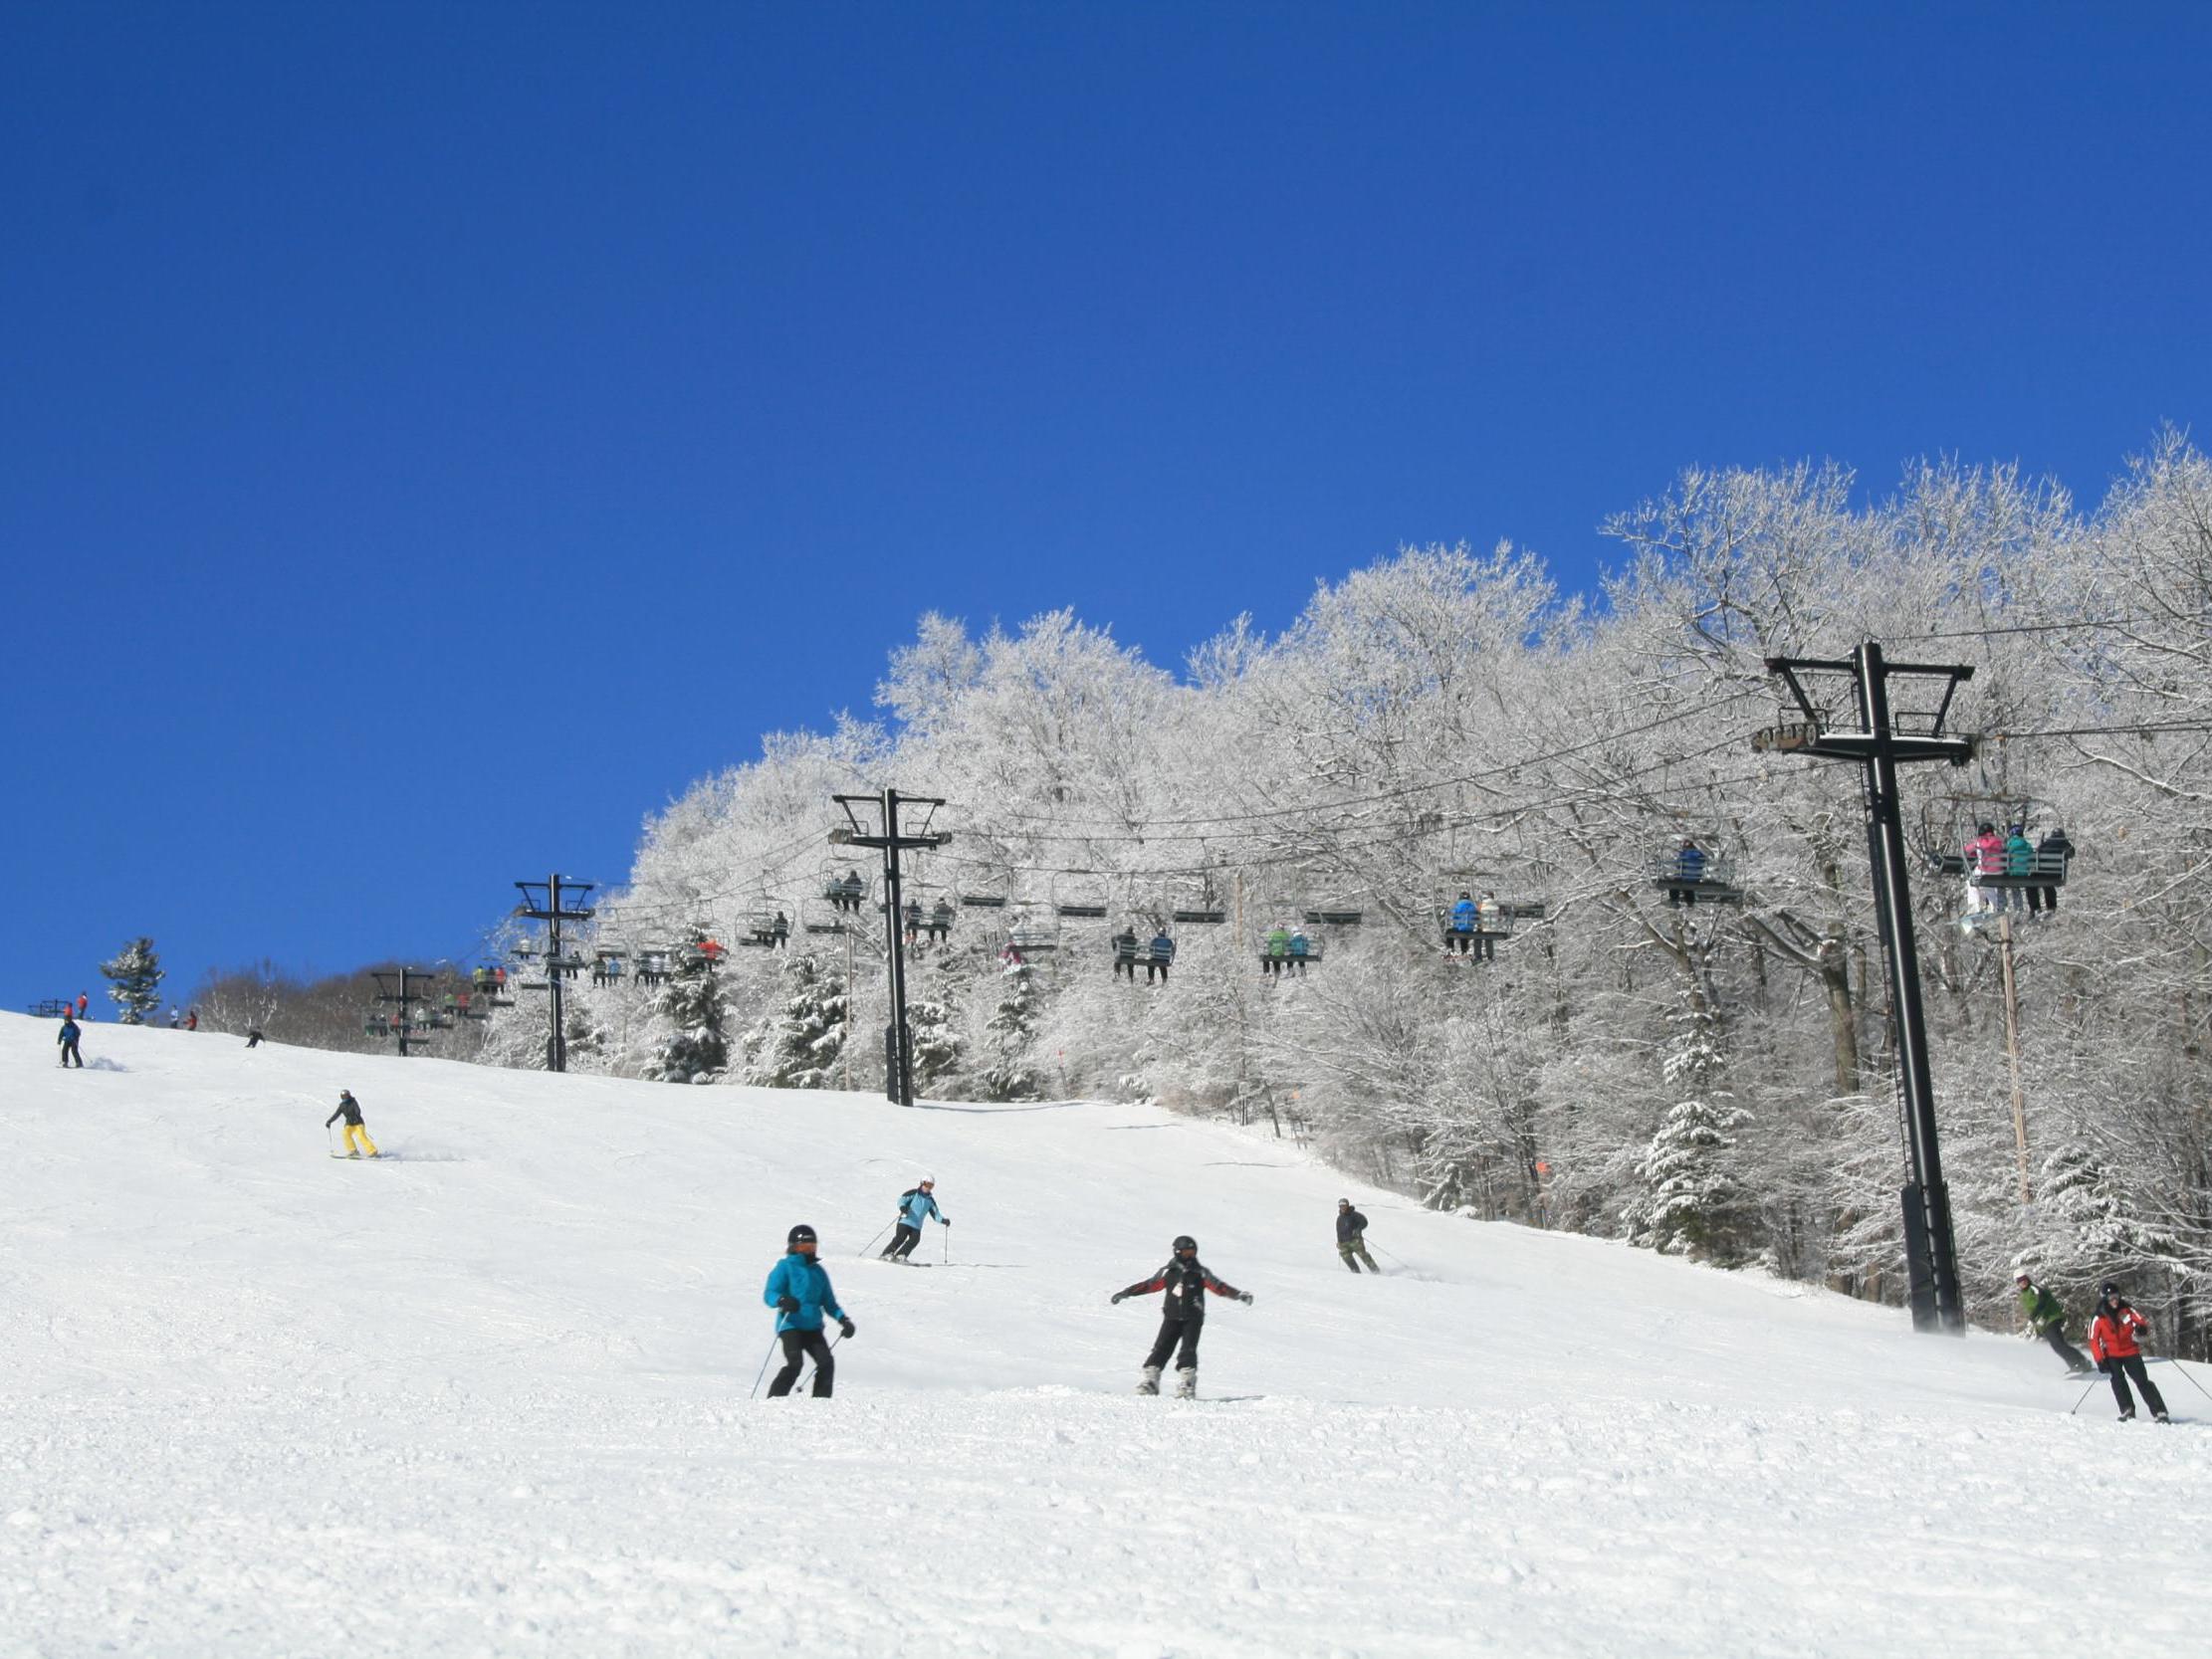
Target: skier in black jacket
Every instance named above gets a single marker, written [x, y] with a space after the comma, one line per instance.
[350, 1110]
[1351, 1236]
[1186, 1281]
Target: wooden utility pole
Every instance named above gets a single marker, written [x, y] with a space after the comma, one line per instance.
[2012, 1051]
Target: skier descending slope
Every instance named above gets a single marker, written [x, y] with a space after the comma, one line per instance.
[1186, 1281]
[350, 1110]
[2114, 1329]
[916, 1205]
[798, 1290]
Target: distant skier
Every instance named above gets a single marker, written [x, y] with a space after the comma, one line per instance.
[253, 1037]
[798, 1290]
[350, 1110]
[68, 1039]
[175, 1018]
[1183, 1319]
[2113, 1330]
[1351, 1236]
[2047, 1319]
[916, 1205]
[84, 1001]
[192, 1021]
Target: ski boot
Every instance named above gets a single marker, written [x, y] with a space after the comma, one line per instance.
[2128, 1415]
[2160, 1417]
[1150, 1382]
[1187, 1384]
[354, 1155]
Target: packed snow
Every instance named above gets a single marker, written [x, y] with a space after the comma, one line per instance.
[489, 1395]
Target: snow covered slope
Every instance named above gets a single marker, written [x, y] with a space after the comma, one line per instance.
[490, 1397]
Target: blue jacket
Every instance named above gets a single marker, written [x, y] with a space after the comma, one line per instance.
[807, 1283]
[1462, 917]
[918, 1207]
[1163, 948]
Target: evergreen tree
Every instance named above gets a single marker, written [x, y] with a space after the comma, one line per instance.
[937, 1045]
[1008, 1074]
[694, 1048]
[1693, 1201]
[137, 975]
[799, 1045]
[2096, 1231]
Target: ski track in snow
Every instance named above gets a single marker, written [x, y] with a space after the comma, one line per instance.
[490, 1398]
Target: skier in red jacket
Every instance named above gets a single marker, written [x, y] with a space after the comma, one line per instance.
[2114, 1329]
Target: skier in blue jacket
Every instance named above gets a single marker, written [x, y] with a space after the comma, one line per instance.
[916, 1205]
[798, 1290]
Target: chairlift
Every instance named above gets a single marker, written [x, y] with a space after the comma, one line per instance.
[1031, 929]
[1085, 901]
[523, 950]
[1287, 947]
[566, 965]
[653, 965]
[1692, 864]
[1198, 902]
[607, 968]
[823, 915]
[768, 924]
[1972, 837]
[1335, 912]
[843, 888]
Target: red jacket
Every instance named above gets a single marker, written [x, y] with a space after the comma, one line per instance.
[1985, 854]
[2112, 1335]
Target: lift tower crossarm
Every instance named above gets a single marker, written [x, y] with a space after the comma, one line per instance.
[898, 1040]
[404, 996]
[1931, 1251]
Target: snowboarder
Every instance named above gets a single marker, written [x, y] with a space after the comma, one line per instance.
[1351, 1236]
[253, 1037]
[916, 1205]
[350, 1110]
[68, 1039]
[798, 1290]
[2047, 1319]
[1183, 1319]
[2114, 1329]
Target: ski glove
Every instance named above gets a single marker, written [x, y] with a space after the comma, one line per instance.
[844, 1326]
[2105, 1365]
[1245, 1297]
[1115, 1299]
[786, 1304]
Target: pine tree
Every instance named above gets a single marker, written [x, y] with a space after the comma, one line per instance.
[2097, 1232]
[799, 1045]
[695, 1048]
[1694, 1203]
[938, 1044]
[137, 975]
[1008, 1075]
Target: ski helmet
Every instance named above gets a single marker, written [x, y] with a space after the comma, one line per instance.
[801, 1234]
[1184, 1241]
[2108, 1289]
[1344, 1203]
[2020, 1278]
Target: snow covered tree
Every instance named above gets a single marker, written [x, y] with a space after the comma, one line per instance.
[799, 1045]
[693, 1048]
[1693, 1202]
[136, 973]
[932, 1017]
[1010, 1072]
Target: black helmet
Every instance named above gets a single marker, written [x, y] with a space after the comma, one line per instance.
[2108, 1289]
[801, 1234]
[1184, 1241]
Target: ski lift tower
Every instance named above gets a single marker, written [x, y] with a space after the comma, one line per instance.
[554, 901]
[898, 1040]
[1881, 737]
[403, 1026]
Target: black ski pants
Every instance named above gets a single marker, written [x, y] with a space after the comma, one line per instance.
[2122, 1371]
[1175, 1330]
[2076, 1360]
[70, 1056]
[1155, 969]
[1126, 966]
[798, 1347]
[902, 1243]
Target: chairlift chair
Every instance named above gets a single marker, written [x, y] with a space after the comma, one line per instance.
[653, 965]
[607, 968]
[1083, 902]
[844, 888]
[822, 916]
[1031, 929]
[1335, 912]
[1689, 865]
[569, 965]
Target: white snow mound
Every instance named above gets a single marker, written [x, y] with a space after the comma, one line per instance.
[489, 1395]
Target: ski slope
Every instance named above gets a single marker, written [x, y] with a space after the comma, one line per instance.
[490, 1397]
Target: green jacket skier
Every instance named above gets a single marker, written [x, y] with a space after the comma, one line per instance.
[2047, 1319]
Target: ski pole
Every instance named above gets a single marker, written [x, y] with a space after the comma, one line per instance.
[948, 1244]
[2084, 1395]
[879, 1232]
[765, 1358]
[2193, 1382]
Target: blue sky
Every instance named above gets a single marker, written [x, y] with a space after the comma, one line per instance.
[431, 436]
